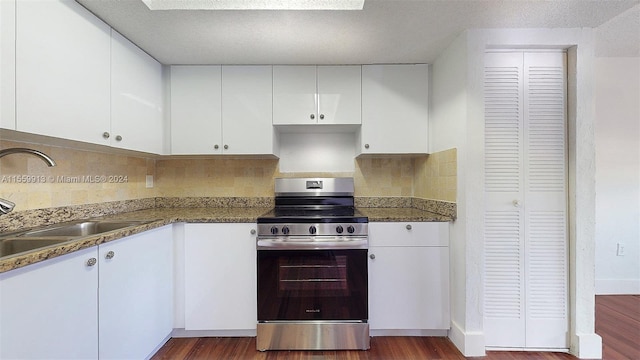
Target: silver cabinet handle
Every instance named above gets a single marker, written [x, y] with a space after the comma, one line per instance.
[92, 261]
[408, 227]
[216, 147]
[366, 146]
[110, 255]
[106, 135]
[253, 231]
[321, 116]
[372, 256]
[118, 138]
[312, 116]
[226, 147]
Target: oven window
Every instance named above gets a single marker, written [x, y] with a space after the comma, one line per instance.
[312, 285]
[313, 276]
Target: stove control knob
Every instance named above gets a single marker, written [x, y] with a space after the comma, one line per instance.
[285, 230]
[274, 230]
[351, 229]
[312, 230]
[339, 229]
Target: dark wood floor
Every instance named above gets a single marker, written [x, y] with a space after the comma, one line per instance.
[617, 321]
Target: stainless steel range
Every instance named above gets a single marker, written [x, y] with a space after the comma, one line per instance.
[312, 268]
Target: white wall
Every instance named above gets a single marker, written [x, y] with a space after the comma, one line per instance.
[466, 235]
[448, 129]
[7, 65]
[617, 103]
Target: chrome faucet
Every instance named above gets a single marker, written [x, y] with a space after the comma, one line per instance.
[46, 158]
[5, 205]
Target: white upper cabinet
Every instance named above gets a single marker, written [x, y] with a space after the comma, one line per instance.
[196, 119]
[8, 64]
[246, 110]
[294, 95]
[136, 98]
[395, 106]
[62, 71]
[339, 94]
[221, 110]
[304, 95]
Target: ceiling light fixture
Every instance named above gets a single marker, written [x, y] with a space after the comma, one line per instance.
[254, 4]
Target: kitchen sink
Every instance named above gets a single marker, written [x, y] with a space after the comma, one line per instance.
[22, 241]
[13, 246]
[78, 229]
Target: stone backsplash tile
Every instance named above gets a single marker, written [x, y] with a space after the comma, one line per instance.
[79, 177]
[436, 176]
[180, 181]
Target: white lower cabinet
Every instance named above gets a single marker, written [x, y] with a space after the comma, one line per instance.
[408, 277]
[66, 308]
[49, 310]
[136, 294]
[220, 277]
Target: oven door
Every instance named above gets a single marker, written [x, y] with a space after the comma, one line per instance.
[322, 284]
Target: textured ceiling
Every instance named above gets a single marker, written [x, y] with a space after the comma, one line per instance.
[386, 31]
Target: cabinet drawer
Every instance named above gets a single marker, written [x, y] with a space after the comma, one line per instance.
[409, 234]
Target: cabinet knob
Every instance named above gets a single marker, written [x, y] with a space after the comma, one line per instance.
[106, 135]
[253, 231]
[118, 138]
[372, 256]
[92, 261]
[321, 116]
[216, 147]
[408, 227]
[312, 116]
[516, 203]
[110, 255]
[226, 147]
[366, 146]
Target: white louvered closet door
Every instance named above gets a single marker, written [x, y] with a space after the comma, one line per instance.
[525, 235]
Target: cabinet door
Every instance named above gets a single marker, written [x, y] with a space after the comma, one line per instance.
[196, 116]
[50, 310]
[136, 98]
[8, 64]
[409, 234]
[294, 95]
[339, 94]
[409, 288]
[247, 110]
[62, 71]
[394, 109]
[220, 277]
[409, 276]
[136, 294]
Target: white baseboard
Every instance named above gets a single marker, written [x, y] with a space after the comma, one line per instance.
[412, 332]
[617, 287]
[587, 346]
[470, 344]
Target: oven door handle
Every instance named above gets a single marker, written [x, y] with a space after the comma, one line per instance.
[312, 244]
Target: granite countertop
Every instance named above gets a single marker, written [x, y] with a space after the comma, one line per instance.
[157, 217]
